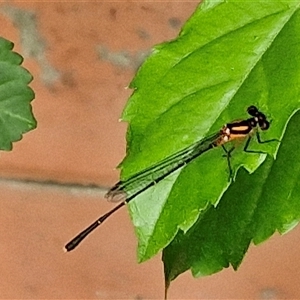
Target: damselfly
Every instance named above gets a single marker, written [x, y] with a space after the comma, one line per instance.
[126, 190]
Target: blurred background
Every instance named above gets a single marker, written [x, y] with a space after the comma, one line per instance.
[83, 55]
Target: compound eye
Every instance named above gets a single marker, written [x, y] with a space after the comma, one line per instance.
[252, 110]
[264, 125]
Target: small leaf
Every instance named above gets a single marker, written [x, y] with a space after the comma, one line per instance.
[15, 96]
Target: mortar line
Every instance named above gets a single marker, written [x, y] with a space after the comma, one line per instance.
[89, 189]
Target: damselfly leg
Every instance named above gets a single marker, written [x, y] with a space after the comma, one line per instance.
[228, 156]
[228, 152]
[259, 141]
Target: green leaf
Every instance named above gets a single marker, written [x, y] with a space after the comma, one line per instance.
[253, 208]
[228, 56]
[15, 96]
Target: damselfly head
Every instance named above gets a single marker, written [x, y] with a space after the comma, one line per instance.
[262, 121]
[259, 117]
